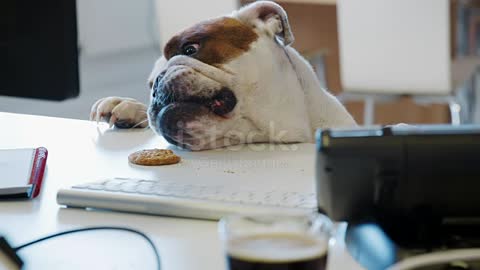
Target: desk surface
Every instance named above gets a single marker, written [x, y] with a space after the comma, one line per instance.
[81, 151]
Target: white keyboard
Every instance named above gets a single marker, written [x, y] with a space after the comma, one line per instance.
[184, 200]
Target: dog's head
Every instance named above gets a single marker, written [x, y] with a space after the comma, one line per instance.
[228, 80]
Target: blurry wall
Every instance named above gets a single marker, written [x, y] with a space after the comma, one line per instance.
[176, 15]
[109, 26]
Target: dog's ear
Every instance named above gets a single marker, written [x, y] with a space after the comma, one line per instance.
[269, 17]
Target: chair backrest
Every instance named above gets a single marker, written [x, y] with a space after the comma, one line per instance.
[395, 46]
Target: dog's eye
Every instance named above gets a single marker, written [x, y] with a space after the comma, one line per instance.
[190, 49]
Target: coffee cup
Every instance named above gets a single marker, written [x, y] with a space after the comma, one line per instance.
[276, 242]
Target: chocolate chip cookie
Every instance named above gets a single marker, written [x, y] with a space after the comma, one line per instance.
[153, 157]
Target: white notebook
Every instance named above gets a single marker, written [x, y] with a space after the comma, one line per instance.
[21, 171]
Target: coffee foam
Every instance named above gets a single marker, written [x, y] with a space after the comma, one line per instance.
[277, 248]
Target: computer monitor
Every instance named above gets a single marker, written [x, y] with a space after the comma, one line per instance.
[399, 170]
[404, 190]
[38, 47]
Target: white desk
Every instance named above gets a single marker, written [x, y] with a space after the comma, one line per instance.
[81, 151]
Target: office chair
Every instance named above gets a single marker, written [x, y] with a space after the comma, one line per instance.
[391, 48]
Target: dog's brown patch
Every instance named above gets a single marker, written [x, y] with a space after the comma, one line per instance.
[220, 40]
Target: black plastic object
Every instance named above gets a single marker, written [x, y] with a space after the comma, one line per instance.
[409, 179]
[9, 259]
[38, 49]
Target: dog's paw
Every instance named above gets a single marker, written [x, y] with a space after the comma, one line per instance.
[120, 111]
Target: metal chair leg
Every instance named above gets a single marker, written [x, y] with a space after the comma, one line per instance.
[455, 109]
[369, 111]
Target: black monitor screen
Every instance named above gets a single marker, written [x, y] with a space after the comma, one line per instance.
[39, 52]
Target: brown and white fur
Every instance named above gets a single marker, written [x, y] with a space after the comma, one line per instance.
[230, 80]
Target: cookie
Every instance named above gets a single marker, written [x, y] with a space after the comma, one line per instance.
[153, 157]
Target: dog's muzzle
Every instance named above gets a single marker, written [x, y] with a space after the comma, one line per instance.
[172, 115]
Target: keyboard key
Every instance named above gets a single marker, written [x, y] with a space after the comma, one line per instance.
[240, 196]
[145, 189]
[129, 187]
[81, 186]
[96, 187]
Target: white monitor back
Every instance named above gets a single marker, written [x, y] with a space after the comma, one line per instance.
[395, 46]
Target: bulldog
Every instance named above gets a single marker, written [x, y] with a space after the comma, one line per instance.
[231, 80]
